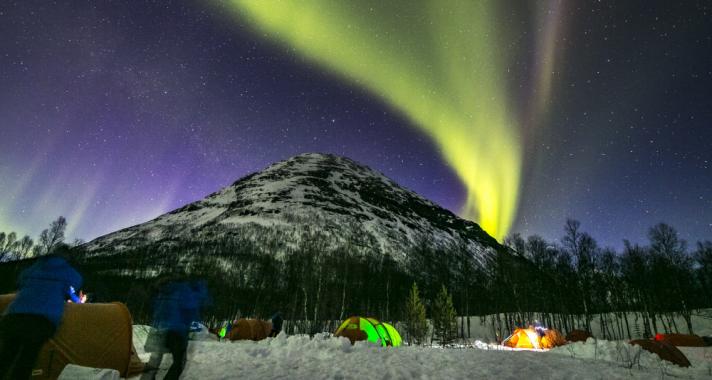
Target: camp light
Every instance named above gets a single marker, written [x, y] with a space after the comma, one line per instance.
[533, 336]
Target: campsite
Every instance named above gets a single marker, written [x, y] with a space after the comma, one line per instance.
[355, 189]
[302, 356]
[101, 336]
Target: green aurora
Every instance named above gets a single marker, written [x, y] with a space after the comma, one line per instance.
[439, 63]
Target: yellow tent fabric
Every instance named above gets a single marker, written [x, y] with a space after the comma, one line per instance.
[90, 335]
[530, 338]
[523, 338]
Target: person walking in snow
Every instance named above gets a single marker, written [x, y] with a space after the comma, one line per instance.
[34, 315]
[177, 305]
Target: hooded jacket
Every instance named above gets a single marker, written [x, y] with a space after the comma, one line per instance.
[177, 305]
[44, 288]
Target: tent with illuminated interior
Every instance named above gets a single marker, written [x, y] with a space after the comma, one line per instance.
[97, 335]
[532, 338]
[369, 329]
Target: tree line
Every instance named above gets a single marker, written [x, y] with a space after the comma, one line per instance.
[12, 248]
[571, 283]
[581, 281]
[315, 283]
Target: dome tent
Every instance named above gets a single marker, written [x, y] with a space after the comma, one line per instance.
[370, 329]
[249, 329]
[96, 335]
[681, 340]
[530, 338]
[664, 350]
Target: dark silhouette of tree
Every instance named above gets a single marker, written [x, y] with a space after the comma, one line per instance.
[703, 258]
[24, 248]
[416, 326]
[444, 317]
[635, 263]
[671, 267]
[13, 249]
[51, 237]
[8, 244]
[582, 247]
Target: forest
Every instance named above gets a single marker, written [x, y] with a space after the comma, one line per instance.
[314, 283]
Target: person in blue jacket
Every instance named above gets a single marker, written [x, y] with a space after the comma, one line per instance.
[176, 306]
[36, 312]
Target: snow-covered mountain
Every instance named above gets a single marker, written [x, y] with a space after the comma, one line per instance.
[324, 192]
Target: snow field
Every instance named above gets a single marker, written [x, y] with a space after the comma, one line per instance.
[326, 357]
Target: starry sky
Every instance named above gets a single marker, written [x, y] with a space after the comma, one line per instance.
[112, 113]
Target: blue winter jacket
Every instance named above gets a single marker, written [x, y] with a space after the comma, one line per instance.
[44, 288]
[178, 304]
[200, 300]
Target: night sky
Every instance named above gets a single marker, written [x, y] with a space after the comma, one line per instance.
[112, 113]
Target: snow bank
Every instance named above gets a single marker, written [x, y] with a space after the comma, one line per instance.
[634, 357]
[611, 351]
[323, 356]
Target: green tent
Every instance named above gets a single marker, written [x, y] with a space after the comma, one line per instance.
[370, 329]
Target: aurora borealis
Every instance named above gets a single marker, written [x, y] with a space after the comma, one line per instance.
[514, 114]
[439, 67]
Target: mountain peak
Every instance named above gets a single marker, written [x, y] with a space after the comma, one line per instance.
[310, 190]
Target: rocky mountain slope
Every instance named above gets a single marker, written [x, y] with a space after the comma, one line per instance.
[332, 194]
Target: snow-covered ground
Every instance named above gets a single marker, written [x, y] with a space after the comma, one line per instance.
[326, 357]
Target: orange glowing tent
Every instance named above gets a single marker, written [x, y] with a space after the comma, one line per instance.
[531, 339]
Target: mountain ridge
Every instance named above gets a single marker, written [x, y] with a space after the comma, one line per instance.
[310, 189]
